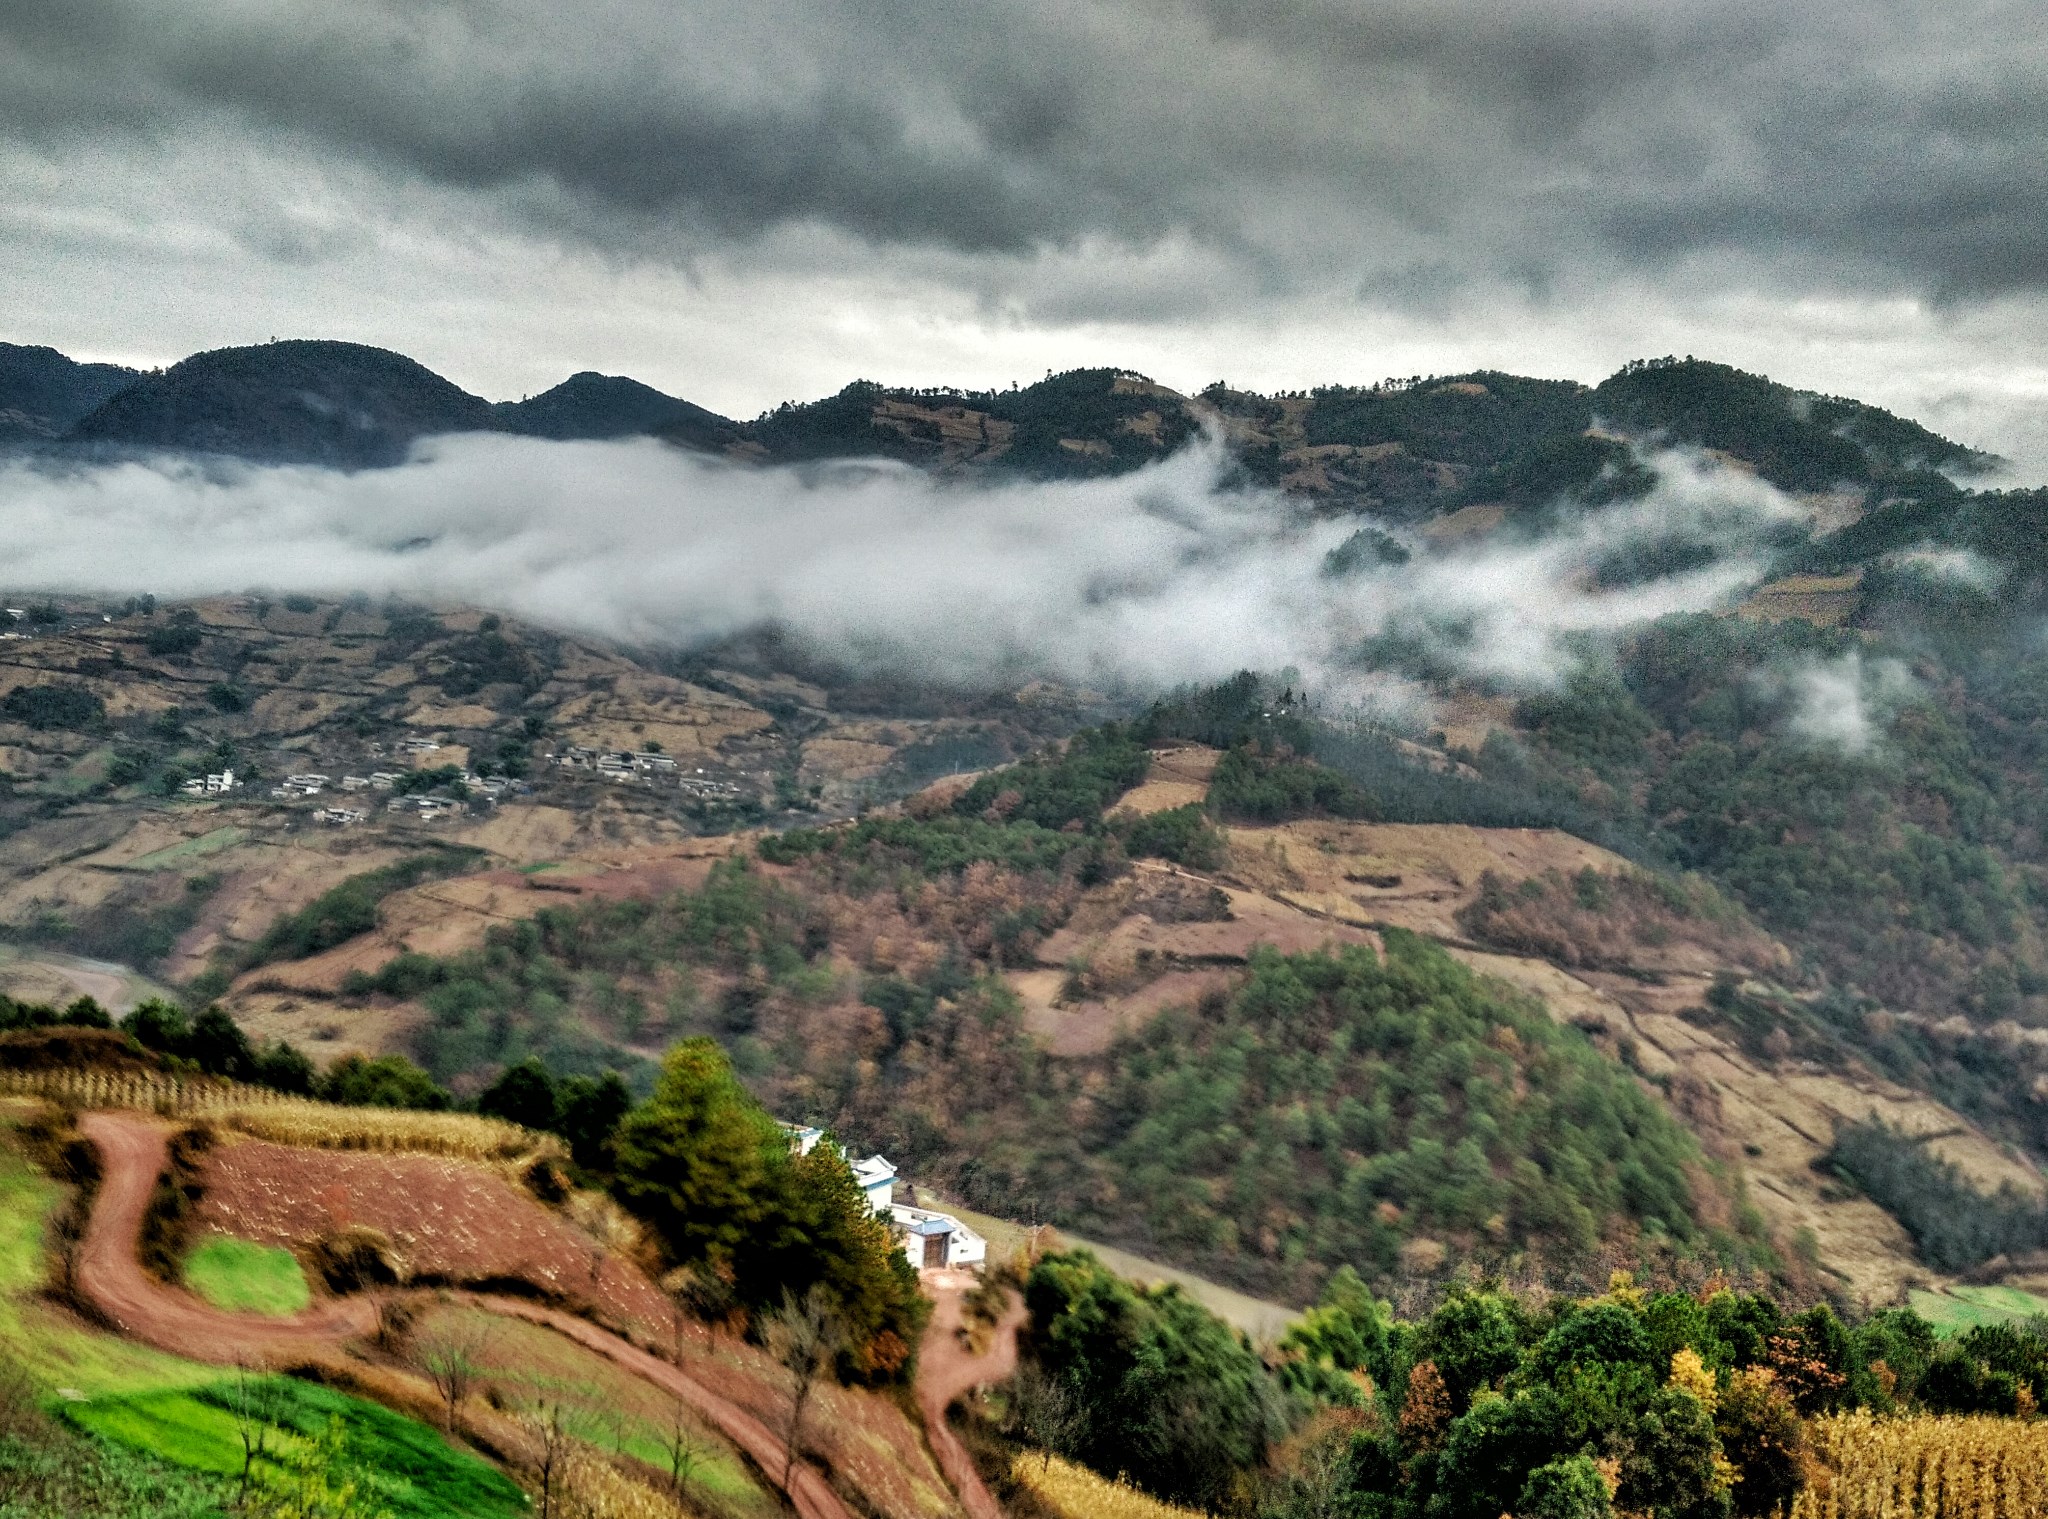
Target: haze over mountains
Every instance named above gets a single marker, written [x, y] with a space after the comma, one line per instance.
[1093, 527]
[310, 402]
[1406, 445]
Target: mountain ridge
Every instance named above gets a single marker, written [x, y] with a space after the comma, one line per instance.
[1406, 448]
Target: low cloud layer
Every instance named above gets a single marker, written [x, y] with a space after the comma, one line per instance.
[1138, 583]
[1841, 703]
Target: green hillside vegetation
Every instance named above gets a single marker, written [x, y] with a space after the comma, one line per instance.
[1799, 441]
[1954, 1226]
[316, 402]
[42, 393]
[1332, 1110]
[1045, 815]
[1900, 856]
[334, 1453]
[590, 405]
[1045, 422]
[1339, 1106]
[1681, 1405]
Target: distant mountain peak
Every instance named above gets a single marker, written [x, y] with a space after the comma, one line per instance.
[595, 406]
[300, 400]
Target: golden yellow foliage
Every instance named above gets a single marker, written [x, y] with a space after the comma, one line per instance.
[1077, 1493]
[1689, 1374]
[1925, 1467]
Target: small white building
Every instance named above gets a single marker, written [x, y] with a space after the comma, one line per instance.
[802, 1137]
[935, 1240]
[220, 783]
[877, 1178]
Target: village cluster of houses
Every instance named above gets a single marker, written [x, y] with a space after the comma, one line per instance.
[931, 1240]
[637, 764]
[615, 765]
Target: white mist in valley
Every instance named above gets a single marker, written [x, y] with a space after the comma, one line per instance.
[1178, 572]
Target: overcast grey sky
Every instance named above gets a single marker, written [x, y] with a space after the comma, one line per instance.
[747, 203]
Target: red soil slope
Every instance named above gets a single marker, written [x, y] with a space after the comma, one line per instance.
[453, 1221]
[132, 1153]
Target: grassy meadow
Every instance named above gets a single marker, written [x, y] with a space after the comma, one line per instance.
[241, 1276]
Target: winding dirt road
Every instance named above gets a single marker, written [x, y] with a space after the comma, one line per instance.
[133, 1154]
[946, 1370]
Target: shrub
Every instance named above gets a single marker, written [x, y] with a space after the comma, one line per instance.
[387, 1081]
[343, 912]
[1169, 1394]
[1260, 785]
[1568, 1489]
[172, 639]
[56, 705]
[1180, 834]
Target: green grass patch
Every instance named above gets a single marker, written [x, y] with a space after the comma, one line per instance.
[26, 1197]
[610, 1408]
[402, 1467]
[1960, 1309]
[244, 1277]
[191, 849]
[54, 1352]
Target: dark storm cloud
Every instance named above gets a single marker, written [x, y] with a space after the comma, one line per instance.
[1388, 148]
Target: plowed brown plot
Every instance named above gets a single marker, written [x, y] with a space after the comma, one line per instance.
[452, 1221]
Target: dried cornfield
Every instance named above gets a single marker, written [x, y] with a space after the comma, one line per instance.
[1078, 1493]
[1926, 1467]
[592, 1488]
[282, 1119]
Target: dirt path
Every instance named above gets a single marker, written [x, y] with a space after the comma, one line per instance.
[132, 1157]
[809, 1493]
[946, 1370]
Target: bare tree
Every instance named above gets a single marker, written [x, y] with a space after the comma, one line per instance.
[1314, 1484]
[254, 1406]
[1045, 1411]
[685, 1452]
[545, 1420]
[805, 1335]
[451, 1356]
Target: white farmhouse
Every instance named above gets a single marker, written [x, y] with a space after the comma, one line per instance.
[933, 1240]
